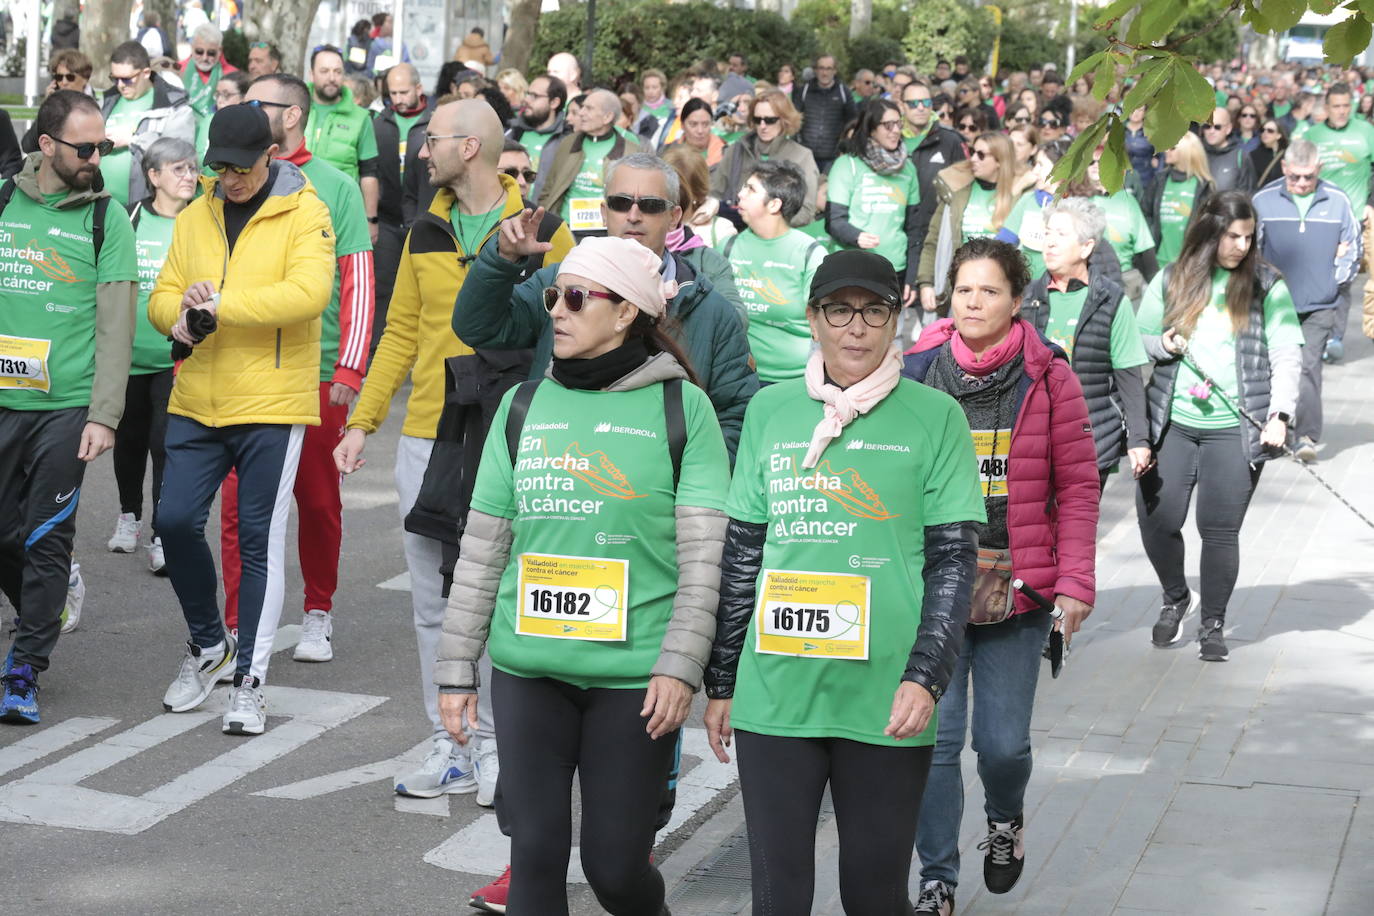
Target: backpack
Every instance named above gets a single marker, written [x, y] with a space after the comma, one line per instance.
[97, 221]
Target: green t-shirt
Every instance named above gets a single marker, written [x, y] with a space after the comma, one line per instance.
[115, 168]
[774, 279]
[593, 480]
[978, 213]
[48, 277]
[1304, 203]
[152, 240]
[1281, 109]
[470, 229]
[403, 126]
[589, 187]
[1027, 220]
[729, 136]
[347, 214]
[1212, 348]
[913, 140]
[1347, 155]
[1127, 350]
[816, 230]
[877, 203]
[858, 517]
[660, 111]
[1175, 209]
[534, 143]
[1127, 229]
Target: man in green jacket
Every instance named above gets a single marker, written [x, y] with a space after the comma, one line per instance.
[640, 204]
[340, 132]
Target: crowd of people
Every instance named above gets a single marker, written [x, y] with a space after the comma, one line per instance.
[892, 362]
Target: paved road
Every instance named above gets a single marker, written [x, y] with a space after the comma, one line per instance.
[1161, 784]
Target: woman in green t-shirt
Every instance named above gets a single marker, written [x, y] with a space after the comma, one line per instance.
[845, 583]
[1178, 193]
[873, 196]
[169, 168]
[1225, 338]
[589, 569]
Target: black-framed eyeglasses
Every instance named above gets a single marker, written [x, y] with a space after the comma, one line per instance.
[219, 168]
[765, 119]
[530, 174]
[649, 206]
[918, 103]
[536, 95]
[841, 314]
[573, 297]
[263, 103]
[87, 150]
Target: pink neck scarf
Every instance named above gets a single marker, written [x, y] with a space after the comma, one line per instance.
[679, 240]
[992, 358]
[842, 405]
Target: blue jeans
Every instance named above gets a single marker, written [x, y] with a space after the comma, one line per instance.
[1005, 660]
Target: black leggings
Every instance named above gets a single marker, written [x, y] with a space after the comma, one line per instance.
[141, 433]
[877, 795]
[547, 729]
[1213, 461]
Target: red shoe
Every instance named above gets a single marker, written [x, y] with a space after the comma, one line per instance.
[492, 898]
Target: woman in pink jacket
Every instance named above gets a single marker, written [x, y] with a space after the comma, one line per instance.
[1039, 476]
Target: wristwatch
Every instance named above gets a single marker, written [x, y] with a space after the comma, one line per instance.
[374, 219]
[1281, 416]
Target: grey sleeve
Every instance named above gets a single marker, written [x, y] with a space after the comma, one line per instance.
[115, 306]
[1285, 366]
[692, 628]
[482, 560]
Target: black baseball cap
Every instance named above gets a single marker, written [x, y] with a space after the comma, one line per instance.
[853, 267]
[239, 135]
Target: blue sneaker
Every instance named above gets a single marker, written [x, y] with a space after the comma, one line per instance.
[19, 704]
[446, 771]
[1335, 351]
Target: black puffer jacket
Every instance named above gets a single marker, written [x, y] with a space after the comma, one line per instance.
[825, 112]
[1231, 169]
[940, 147]
[1116, 397]
[951, 558]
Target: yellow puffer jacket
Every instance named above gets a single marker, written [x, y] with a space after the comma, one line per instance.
[262, 365]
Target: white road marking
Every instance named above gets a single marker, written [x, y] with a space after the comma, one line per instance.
[481, 849]
[399, 583]
[53, 797]
[356, 776]
[53, 738]
[436, 807]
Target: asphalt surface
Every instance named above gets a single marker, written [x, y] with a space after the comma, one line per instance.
[191, 828]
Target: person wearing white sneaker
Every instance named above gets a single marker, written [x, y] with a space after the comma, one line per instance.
[488, 769]
[446, 770]
[200, 670]
[76, 599]
[157, 560]
[128, 529]
[317, 633]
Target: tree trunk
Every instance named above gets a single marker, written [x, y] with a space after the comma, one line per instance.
[285, 23]
[524, 26]
[860, 17]
[104, 25]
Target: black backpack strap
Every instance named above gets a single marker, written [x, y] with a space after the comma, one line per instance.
[515, 419]
[6, 193]
[806, 259]
[730, 246]
[676, 421]
[135, 214]
[98, 226]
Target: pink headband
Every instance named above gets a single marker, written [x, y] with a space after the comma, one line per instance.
[624, 267]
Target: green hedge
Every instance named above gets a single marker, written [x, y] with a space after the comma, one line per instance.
[633, 36]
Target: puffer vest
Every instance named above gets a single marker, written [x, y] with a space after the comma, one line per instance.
[1091, 359]
[1252, 373]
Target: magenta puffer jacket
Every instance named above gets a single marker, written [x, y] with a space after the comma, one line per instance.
[1052, 481]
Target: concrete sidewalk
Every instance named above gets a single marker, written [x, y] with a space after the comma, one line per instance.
[1164, 784]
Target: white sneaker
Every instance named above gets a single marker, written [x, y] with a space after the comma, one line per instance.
[126, 534]
[488, 768]
[200, 669]
[76, 598]
[227, 675]
[317, 632]
[157, 563]
[446, 771]
[247, 713]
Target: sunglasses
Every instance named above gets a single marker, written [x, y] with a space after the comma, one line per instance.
[205, 52]
[530, 174]
[126, 80]
[219, 168]
[918, 103]
[65, 77]
[981, 154]
[573, 297]
[1050, 122]
[263, 103]
[968, 126]
[1210, 126]
[1248, 114]
[1269, 130]
[890, 125]
[768, 120]
[649, 206]
[1021, 120]
[260, 45]
[87, 150]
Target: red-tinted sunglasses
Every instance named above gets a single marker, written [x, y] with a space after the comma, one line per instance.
[574, 298]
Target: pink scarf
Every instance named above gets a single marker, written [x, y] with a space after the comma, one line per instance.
[842, 405]
[679, 240]
[993, 358]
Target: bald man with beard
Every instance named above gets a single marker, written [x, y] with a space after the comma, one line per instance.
[571, 169]
[461, 154]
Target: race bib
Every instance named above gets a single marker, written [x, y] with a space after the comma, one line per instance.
[584, 214]
[383, 62]
[993, 448]
[1033, 231]
[572, 597]
[357, 56]
[814, 615]
[24, 363]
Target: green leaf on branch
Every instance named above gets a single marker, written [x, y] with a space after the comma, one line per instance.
[1104, 78]
[1281, 15]
[1075, 161]
[1346, 39]
[1114, 12]
[1195, 96]
[1112, 166]
[1164, 123]
[1088, 63]
[1366, 7]
[1158, 18]
[1154, 76]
